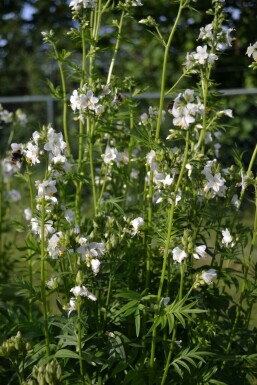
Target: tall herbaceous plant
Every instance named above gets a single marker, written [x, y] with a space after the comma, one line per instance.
[137, 267]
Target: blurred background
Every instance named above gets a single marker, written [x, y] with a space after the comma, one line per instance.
[25, 64]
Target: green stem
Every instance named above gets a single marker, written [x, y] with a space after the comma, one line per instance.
[81, 131]
[64, 97]
[182, 4]
[167, 245]
[164, 70]
[116, 49]
[42, 277]
[249, 170]
[32, 209]
[81, 367]
[91, 164]
[205, 88]
[174, 332]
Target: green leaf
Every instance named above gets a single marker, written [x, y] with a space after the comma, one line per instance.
[137, 321]
[66, 353]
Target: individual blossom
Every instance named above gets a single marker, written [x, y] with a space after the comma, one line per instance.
[235, 201]
[14, 195]
[111, 155]
[32, 153]
[228, 112]
[227, 239]
[186, 108]
[136, 224]
[55, 247]
[21, 117]
[209, 276]
[36, 227]
[137, 3]
[55, 143]
[95, 265]
[58, 165]
[52, 283]
[201, 55]
[8, 168]
[76, 5]
[252, 51]
[69, 215]
[206, 33]
[27, 214]
[5, 116]
[178, 254]
[151, 160]
[200, 252]
[82, 291]
[90, 250]
[46, 188]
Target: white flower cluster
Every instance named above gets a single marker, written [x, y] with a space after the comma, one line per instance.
[227, 238]
[89, 252]
[5, 116]
[136, 224]
[79, 291]
[186, 108]
[160, 179]
[220, 41]
[252, 51]
[76, 5]
[112, 155]
[146, 118]
[215, 182]
[201, 56]
[83, 100]
[179, 254]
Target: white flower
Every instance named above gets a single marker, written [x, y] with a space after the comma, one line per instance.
[252, 51]
[178, 254]
[209, 276]
[5, 115]
[136, 224]
[8, 168]
[206, 32]
[36, 227]
[55, 143]
[14, 195]
[95, 265]
[76, 5]
[228, 112]
[150, 160]
[36, 136]
[54, 248]
[52, 283]
[27, 214]
[137, 3]
[72, 305]
[110, 155]
[22, 117]
[236, 202]
[200, 252]
[201, 54]
[89, 250]
[32, 153]
[46, 188]
[182, 117]
[82, 291]
[69, 215]
[227, 239]
[215, 182]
